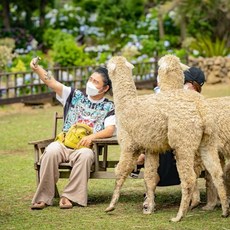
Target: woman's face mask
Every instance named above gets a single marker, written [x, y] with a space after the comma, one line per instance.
[91, 89]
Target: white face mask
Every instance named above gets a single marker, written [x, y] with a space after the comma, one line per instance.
[91, 89]
[186, 86]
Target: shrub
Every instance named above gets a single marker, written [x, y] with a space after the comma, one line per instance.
[68, 53]
[20, 67]
[208, 48]
[9, 42]
[51, 36]
[26, 58]
[5, 57]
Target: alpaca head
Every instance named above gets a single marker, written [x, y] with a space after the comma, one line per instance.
[170, 72]
[118, 63]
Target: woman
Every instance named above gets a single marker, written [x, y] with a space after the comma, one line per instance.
[93, 110]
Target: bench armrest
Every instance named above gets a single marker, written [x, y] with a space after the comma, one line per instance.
[106, 141]
[41, 141]
[39, 147]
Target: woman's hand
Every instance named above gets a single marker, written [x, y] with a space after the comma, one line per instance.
[33, 64]
[87, 141]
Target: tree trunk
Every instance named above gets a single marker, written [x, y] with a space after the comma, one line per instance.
[6, 14]
[182, 28]
[42, 12]
[161, 26]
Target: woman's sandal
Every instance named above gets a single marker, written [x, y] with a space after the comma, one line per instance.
[38, 205]
[65, 203]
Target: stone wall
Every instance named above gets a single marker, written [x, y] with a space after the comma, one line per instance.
[216, 69]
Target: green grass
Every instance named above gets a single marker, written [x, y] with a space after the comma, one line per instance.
[19, 125]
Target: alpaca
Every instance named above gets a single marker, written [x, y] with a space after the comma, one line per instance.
[220, 108]
[156, 123]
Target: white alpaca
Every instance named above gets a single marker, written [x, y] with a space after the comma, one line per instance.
[169, 79]
[156, 123]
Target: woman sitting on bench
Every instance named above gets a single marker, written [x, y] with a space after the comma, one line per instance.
[92, 109]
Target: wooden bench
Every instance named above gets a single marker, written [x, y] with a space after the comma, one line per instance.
[101, 164]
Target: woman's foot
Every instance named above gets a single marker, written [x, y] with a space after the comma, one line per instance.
[65, 203]
[38, 206]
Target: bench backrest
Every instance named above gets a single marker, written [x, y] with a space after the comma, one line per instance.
[57, 117]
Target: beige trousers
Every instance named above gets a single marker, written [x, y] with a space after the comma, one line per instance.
[81, 161]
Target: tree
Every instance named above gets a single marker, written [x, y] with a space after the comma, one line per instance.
[6, 14]
[209, 17]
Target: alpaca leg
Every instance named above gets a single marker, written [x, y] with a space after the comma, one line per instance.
[185, 162]
[151, 180]
[198, 168]
[212, 164]
[227, 179]
[211, 193]
[195, 197]
[123, 169]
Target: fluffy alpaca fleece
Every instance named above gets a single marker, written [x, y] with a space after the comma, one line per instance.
[220, 107]
[156, 123]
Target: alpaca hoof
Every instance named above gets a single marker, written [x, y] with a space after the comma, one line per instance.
[147, 210]
[176, 219]
[109, 209]
[225, 215]
[208, 208]
[194, 205]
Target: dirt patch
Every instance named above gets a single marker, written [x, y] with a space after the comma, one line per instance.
[20, 108]
[20, 152]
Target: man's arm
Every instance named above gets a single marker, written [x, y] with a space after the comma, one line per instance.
[47, 78]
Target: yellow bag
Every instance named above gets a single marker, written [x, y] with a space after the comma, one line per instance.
[74, 135]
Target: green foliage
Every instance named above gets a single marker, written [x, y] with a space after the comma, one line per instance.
[207, 48]
[119, 18]
[151, 47]
[54, 35]
[209, 17]
[103, 57]
[26, 59]
[21, 36]
[68, 53]
[20, 67]
[68, 18]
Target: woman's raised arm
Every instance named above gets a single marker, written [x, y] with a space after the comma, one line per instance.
[46, 77]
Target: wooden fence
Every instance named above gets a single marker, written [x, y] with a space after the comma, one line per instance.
[27, 87]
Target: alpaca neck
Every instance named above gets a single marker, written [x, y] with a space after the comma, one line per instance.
[170, 87]
[171, 84]
[124, 90]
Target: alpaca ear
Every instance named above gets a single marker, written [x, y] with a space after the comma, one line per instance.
[131, 66]
[184, 67]
[163, 65]
[112, 66]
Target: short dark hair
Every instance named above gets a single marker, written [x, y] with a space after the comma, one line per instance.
[104, 73]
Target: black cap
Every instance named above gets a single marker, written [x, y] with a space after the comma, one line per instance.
[194, 74]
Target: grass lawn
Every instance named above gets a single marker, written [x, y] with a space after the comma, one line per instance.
[20, 124]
